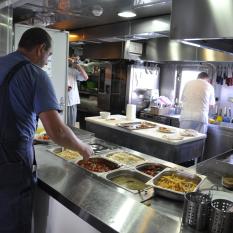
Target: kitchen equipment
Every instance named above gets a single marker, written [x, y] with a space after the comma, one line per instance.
[221, 218]
[196, 210]
[131, 112]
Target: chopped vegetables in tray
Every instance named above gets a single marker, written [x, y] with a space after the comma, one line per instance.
[69, 154]
[176, 183]
[129, 182]
[125, 158]
[98, 165]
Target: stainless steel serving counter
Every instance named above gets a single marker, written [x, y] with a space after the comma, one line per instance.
[105, 206]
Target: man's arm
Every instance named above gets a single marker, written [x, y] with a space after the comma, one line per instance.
[63, 135]
[82, 71]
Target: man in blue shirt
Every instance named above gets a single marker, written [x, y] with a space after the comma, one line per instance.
[25, 93]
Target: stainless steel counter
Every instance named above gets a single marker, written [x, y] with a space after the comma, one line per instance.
[105, 206]
[98, 202]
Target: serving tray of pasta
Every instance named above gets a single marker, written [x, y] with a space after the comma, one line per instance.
[174, 183]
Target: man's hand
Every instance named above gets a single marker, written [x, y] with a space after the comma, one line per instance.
[86, 152]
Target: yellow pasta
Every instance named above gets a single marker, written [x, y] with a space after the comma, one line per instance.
[68, 154]
[176, 183]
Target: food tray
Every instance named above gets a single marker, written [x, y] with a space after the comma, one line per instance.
[153, 168]
[131, 175]
[137, 125]
[98, 163]
[56, 150]
[172, 194]
[121, 157]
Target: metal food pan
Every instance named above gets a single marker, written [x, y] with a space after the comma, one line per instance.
[112, 165]
[56, 150]
[143, 166]
[129, 173]
[172, 194]
[141, 159]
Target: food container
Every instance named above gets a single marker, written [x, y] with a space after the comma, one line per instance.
[66, 154]
[221, 218]
[98, 165]
[151, 169]
[182, 181]
[196, 210]
[132, 181]
[227, 182]
[125, 158]
[105, 115]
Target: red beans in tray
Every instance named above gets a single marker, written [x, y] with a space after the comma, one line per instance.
[98, 165]
[151, 169]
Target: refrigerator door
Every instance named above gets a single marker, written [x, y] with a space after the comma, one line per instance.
[57, 63]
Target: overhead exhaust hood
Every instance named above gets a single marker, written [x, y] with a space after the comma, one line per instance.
[207, 23]
[130, 30]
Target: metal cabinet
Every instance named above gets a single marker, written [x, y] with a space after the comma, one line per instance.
[219, 140]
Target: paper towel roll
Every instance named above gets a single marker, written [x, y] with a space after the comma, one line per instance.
[131, 112]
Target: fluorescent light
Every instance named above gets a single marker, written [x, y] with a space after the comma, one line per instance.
[189, 43]
[126, 14]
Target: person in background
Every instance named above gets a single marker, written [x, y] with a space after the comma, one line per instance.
[75, 73]
[197, 97]
[25, 93]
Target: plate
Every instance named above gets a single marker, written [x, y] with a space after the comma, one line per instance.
[189, 133]
[166, 130]
[42, 138]
[137, 125]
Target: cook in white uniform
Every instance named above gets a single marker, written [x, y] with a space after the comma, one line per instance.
[197, 97]
[75, 73]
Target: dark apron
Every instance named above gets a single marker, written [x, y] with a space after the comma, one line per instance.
[16, 177]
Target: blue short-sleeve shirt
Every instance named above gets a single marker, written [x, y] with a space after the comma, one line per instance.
[31, 92]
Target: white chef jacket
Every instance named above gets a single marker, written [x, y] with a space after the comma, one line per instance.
[73, 95]
[197, 96]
